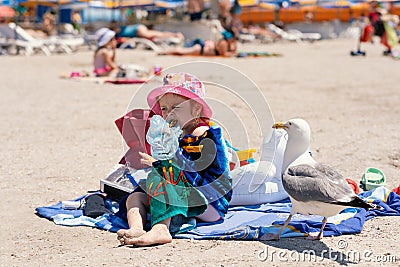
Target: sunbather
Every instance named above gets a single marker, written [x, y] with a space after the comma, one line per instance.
[140, 30]
[199, 47]
[234, 25]
[195, 9]
[104, 56]
[49, 23]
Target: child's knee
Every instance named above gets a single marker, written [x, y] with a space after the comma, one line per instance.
[135, 199]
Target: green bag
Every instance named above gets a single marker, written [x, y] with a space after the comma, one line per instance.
[391, 35]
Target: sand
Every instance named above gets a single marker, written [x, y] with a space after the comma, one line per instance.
[58, 140]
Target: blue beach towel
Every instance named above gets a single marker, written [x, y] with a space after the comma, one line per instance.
[247, 222]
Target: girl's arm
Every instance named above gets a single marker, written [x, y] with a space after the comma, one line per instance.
[110, 60]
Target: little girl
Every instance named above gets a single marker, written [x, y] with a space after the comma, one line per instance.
[104, 56]
[201, 161]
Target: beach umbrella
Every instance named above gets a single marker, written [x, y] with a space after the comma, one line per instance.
[170, 3]
[336, 4]
[304, 2]
[268, 5]
[6, 12]
[248, 3]
[277, 3]
[128, 3]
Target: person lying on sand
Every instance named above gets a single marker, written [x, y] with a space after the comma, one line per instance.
[140, 30]
[199, 47]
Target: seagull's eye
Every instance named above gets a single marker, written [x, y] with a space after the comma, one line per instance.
[290, 123]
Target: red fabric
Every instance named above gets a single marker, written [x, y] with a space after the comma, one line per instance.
[397, 190]
[243, 162]
[353, 185]
[384, 41]
[232, 165]
[367, 33]
[133, 126]
[374, 16]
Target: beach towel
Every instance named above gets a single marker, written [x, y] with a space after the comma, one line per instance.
[85, 77]
[238, 55]
[258, 54]
[247, 222]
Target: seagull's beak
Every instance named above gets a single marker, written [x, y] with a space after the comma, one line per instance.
[279, 125]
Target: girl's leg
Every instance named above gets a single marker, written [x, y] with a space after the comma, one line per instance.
[210, 215]
[143, 31]
[179, 51]
[136, 205]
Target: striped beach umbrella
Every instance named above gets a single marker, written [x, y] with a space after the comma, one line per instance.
[6, 12]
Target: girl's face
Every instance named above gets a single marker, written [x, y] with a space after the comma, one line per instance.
[112, 43]
[178, 108]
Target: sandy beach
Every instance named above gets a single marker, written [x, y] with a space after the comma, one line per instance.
[58, 140]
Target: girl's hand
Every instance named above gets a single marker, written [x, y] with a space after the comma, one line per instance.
[146, 159]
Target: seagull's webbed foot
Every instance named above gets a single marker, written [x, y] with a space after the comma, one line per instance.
[314, 236]
[277, 236]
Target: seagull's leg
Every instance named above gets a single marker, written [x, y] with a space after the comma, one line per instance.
[321, 232]
[277, 235]
[284, 226]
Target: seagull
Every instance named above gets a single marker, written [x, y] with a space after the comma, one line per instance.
[313, 188]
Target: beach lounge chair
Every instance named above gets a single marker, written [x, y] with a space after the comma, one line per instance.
[137, 41]
[294, 35]
[63, 43]
[30, 45]
[25, 40]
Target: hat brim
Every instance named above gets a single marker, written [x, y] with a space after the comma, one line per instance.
[106, 38]
[152, 98]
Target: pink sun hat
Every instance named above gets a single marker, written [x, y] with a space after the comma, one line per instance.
[182, 84]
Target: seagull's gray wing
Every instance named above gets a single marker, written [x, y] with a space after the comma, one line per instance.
[319, 183]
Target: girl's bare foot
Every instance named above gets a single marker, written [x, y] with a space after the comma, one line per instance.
[158, 235]
[126, 235]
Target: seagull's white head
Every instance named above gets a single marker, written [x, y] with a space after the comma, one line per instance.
[297, 129]
[298, 143]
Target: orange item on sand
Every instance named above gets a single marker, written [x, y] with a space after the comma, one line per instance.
[397, 190]
[353, 185]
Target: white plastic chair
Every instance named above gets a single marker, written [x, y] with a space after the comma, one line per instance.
[12, 33]
[294, 35]
[135, 41]
[66, 44]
